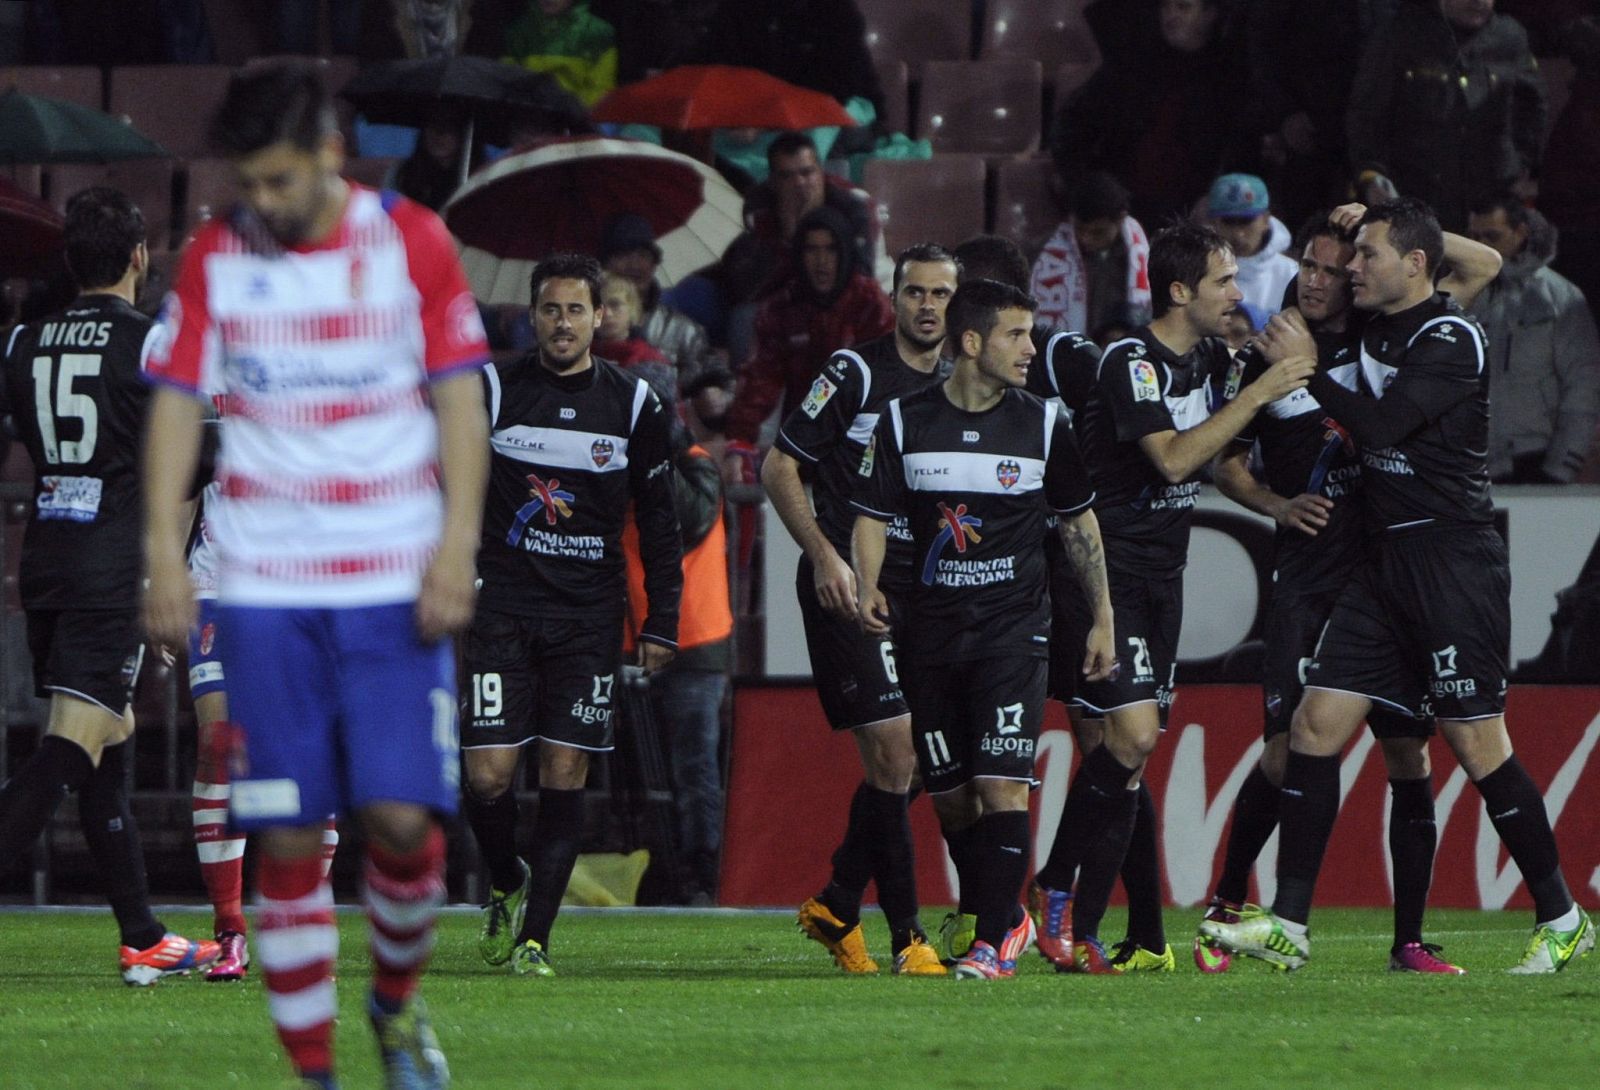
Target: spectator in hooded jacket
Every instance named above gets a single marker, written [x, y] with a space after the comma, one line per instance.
[825, 303]
[1543, 352]
[1239, 209]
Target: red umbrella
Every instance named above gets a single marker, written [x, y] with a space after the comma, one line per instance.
[719, 96]
[31, 228]
[558, 196]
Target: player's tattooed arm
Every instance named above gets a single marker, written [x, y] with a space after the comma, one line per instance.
[869, 542]
[1080, 534]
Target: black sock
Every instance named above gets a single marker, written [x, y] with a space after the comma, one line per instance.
[1110, 809]
[1060, 870]
[1255, 815]
[494, 824]
[1517, 810]
[30, 798]
[1413, 836]
[893, 866]
[556, 839]
[1141, 875]
[1001, 841]
[113, 839]
[962, 843]
[852, 861]
[1309, 807]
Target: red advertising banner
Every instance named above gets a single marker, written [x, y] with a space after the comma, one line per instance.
[792, 779]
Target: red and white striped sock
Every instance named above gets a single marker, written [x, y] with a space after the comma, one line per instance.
[403, 895]
[296, 946]
[221, 851]
[330, 845]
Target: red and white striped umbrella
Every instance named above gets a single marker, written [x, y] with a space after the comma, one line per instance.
[559, 195]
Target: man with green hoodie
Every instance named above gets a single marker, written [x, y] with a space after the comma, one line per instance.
[571, 43]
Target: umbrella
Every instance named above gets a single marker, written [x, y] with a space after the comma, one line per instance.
[36, 129]
[559, 195]
[493, 95]
[31, 228]
[720, 96]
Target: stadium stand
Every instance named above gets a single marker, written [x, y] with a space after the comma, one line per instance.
[1025, 208]
[938, 199]
[984, 107]
[917, 30]
[170, 103]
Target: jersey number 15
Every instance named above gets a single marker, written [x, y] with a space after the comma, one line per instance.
[66, 405]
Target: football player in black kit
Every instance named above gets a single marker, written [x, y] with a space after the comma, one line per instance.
[1425, 619]
[75, 387]
[575, 441]
[855, 674]
[972, 464]
[1147, 432]
[1310, 485]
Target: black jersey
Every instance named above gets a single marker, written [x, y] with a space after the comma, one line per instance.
[75, 387]
[830, 429]
[1143, 388]
[1064, 367]
[1303, 449]
[974, 487]
[1431, 354]
[569, 454]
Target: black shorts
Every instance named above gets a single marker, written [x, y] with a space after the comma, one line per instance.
[856, 676]
[92, 654]
[976, 719]
[1149, 615]
[526, 679]
[1295, 620]
[1066, 602]
[1424, 624]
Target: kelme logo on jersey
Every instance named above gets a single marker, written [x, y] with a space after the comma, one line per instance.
[1146, 386]
[601, 451]
[954, 526]
[547, 496]
[821, 391]
[1007, 473]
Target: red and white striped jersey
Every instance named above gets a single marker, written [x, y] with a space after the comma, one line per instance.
[318, 357]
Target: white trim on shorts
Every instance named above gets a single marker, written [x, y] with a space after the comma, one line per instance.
[1365, 696]
[879, 722]
[85, 697]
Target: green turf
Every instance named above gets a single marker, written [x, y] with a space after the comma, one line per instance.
[741, 1001]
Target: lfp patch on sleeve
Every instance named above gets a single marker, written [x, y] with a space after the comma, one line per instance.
[821, 391]
[1146, 387]
[1235, 379]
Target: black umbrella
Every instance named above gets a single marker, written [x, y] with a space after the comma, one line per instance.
[491, 95]
[37, 129]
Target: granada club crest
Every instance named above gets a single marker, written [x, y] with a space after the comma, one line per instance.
[208, 638]
[1008, 473]
[601, 451]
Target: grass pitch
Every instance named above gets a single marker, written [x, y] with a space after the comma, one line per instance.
[740, 1000]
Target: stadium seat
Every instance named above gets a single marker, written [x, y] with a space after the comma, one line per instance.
[927, 200]
[372, 170]
[1048, 31]
[170, 103]
[336, 72]
[918, 30]
[147, 181]
[895, 79]
[29, 176]
[985, 107]
[1025, 207]
[77, 83]
[211, 187]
